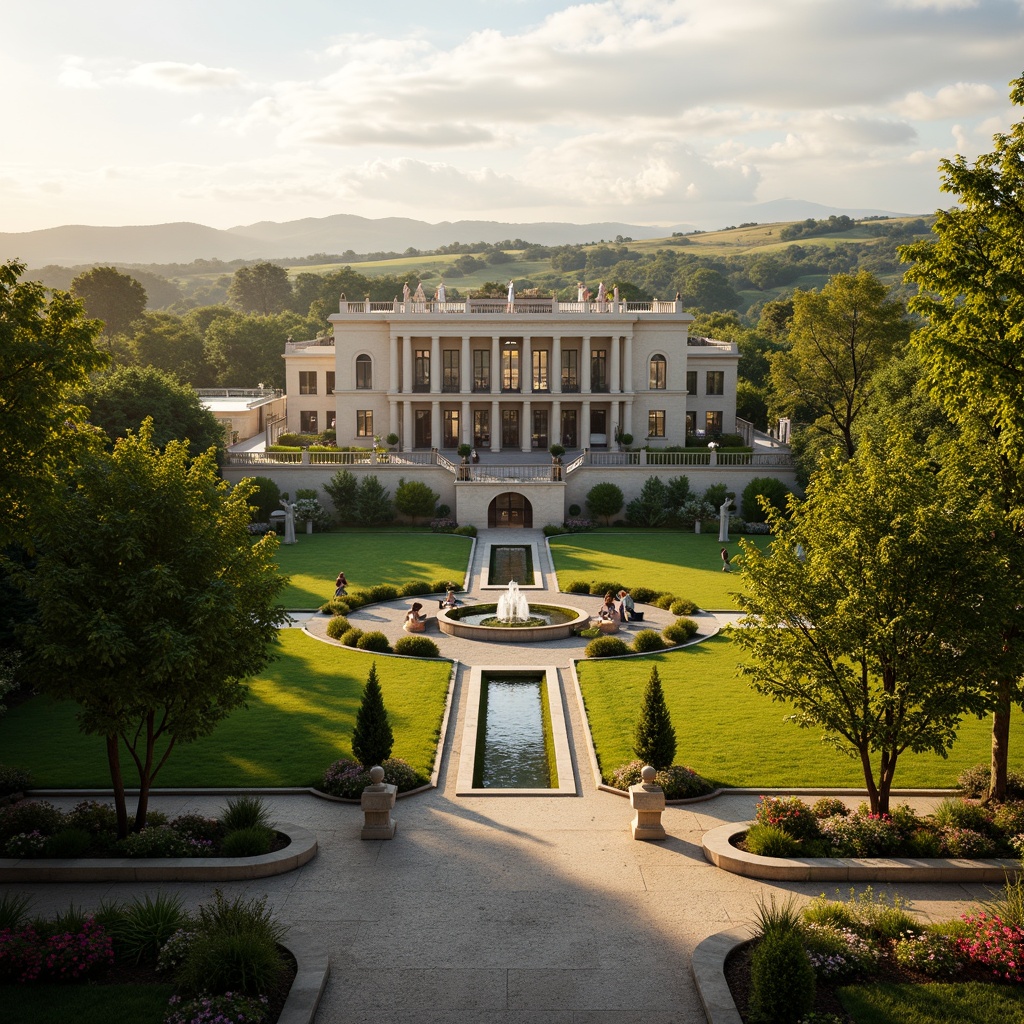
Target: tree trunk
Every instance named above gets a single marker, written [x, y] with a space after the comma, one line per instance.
[145, 777]
[1000, 742]
[117, 781]
[869, 778]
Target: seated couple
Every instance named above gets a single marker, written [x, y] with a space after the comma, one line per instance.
[415, 621]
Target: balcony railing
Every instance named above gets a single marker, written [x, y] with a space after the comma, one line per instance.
[521, 306]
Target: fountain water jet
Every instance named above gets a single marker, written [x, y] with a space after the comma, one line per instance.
[512, 605]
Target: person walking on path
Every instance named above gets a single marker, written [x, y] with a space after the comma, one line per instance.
[725, 560]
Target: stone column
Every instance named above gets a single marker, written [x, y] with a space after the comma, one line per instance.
[585, 358]
[435, 425]
[555, 427]
[495, 426]
[377, 802]
[526, 429]
[647, 798]
[465, 425]
[627, 417]
[435, 365]
[614, 382]
[627, 377]
[556, 366]
[407, 426]
[495, 370]
[584, 424]
[407, 366]
[392, 416]
[393, 367]
[466, 367]
[526, 367]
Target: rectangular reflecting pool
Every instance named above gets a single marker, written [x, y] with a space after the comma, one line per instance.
[514, 737]
[511, 562]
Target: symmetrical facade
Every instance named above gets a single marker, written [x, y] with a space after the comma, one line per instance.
[517, 376]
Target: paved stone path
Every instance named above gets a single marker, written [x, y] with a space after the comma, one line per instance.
[520, 910]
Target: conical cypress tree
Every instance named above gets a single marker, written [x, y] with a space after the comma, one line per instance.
[654, 741]
[372, 738]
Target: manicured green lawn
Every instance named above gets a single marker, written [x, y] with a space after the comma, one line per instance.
[735, 737]
[368, 557]
[961, 1003]
[685, 564]
[299, 719]
[84, 1004]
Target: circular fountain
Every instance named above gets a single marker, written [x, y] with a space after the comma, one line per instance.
[512, 620]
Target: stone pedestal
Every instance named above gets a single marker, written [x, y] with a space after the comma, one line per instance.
[377, 801]
[648, 800]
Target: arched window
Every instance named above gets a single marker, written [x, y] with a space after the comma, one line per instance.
[658, 372]
[364, 372]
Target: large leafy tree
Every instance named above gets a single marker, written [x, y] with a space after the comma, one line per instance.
[170, 343]
[839, 338]
[115, 298]
[247, 350]
[971, 276]
[263, 288]
[47, 350]
[154, 604]
[121, 399]
[877, 609]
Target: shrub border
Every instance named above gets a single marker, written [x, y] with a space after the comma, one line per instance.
[300, 850]
[718, 849]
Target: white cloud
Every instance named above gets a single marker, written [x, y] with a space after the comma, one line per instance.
[167, 74]
[74, 75]
[958, 100]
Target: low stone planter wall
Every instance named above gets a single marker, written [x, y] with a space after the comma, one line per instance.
[300, 850]
[718, 849]
[707, 965]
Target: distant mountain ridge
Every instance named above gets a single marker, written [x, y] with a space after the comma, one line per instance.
[183, 242]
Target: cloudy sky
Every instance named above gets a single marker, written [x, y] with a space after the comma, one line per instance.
[227, 112]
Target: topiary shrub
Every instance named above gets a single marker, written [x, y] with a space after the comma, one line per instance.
[654, 739]
[781, 980]
[829, 807]
[417, 647]
[338, 627]
[372, 738]
[335, 606]
[352, 637]
[578, 587]
[553, 530]
[648, 640]
[644, 595]
[682, 606]
[465, 531]
[605, 500]
[662, 600]
[773, 490]
[574, 511]
[442, 586]
[374, 641]
[606, 647]
[266, 497]
[680, 631]
[382, 592]
[602, 587]
[357, 598]
[415, 588]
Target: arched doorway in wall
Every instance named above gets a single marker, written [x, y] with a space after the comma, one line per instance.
[510, 510]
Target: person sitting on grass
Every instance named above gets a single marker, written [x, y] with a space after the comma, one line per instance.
[414, 621]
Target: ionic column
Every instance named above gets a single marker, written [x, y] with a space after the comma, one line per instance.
[392, 416]
[435, 425]
[465, 367]
[495, 369]
[627, 417]
[495, 426]
[435, 365]
[407, 426]
[465, 426]
[526, 429]
[555, 370]
[584, 430]
[526, 368]
[585, 358]
[614, 383]
[627, 383]
[555, 431]
[407, 366]
[393, 367]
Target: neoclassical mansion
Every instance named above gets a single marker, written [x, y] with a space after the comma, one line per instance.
[510, 380]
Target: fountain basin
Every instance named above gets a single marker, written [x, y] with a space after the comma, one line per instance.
[451, 621]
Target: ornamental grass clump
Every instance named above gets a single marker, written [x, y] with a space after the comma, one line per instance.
[770, 841]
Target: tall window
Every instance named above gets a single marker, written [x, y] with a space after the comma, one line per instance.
[421, 370]
[364, 423]
[450, 370]
[330, 382]
[570, 370]
[364, 373]
[540, 370]
[715, 382]
[307, 382]
[599, 370]
[481, 428]
[307, 422]
[691, 423]
[657, 373]
[656, 423]
[691, 382]
[713, 422]
[509, 368]
[482, 370]
[451, 429]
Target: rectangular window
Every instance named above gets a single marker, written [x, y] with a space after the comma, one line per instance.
[330, 382]
[450, 370]
[691, 424]
[482, 428]
[451, 428]
[715, 382]
[713, 422]
[599, 370]
[691, 382]
[482, 370]
[570, 370]
[656, 423]
[421, 370]
[540, 370]
[307, 382]
[539, 435]
[510, 369]
[364, 423]
[308, 422]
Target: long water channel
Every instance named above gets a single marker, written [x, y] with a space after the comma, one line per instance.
[513, 753]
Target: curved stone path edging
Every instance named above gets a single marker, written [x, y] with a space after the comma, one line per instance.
[707, 965]
[313, 970]
[299, 851]
[718, 849]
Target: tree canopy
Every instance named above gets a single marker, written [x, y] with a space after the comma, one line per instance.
[47, 350]
[115, 298]
[263, 288]
[877, 609]
[153, 603]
